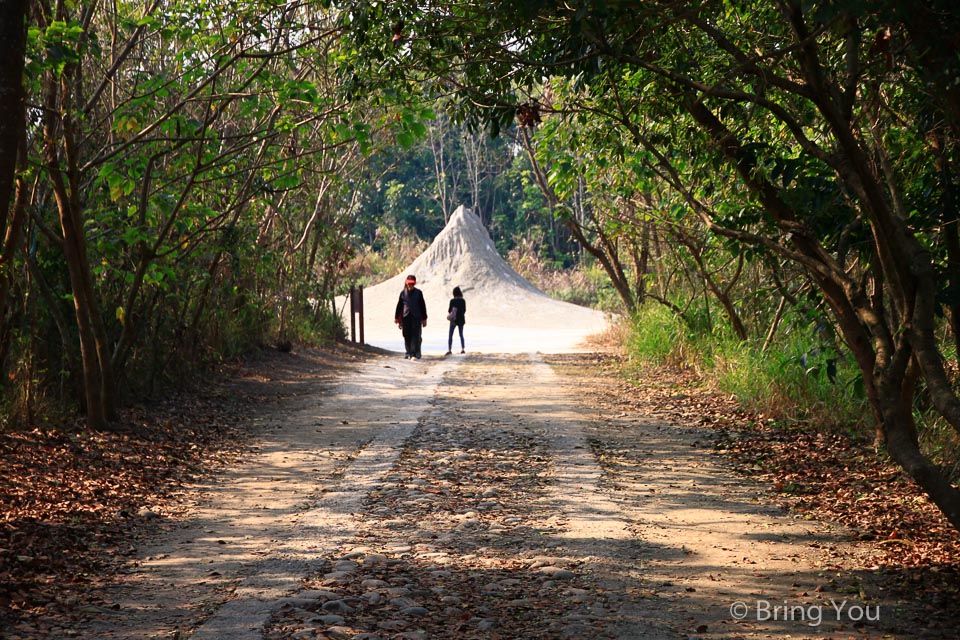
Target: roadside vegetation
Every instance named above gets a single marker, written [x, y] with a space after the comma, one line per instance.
[791, 380]
[796, 381]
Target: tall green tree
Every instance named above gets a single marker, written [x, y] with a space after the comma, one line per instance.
[830, 117]
[13, 149]
[195, 169]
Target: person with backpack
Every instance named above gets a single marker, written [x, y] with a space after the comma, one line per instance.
[455, 314]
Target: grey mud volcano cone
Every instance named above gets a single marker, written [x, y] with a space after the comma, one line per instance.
[498, 298]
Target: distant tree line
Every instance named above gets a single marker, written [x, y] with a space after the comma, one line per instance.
[418, 187]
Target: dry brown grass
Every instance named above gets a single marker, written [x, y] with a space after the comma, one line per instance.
[570, 285]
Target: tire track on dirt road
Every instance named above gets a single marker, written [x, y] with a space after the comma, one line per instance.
[389, 398]
[492, 523]
[252, 533]
[467, 498]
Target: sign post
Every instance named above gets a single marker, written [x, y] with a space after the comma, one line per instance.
[356, 308]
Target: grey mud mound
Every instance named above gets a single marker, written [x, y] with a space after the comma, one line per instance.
[505, 312]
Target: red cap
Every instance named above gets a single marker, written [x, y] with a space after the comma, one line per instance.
[412, 279]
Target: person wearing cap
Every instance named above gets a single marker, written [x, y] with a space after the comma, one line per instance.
[411, 316]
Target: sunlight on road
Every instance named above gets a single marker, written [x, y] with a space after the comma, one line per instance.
[487, 339]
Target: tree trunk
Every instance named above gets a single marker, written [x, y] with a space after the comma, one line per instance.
[97, 374]
[13, 147]
[642, 264]
[13, 34]
[609, 263]
[902, 444]
[92, 376]
[722, 295]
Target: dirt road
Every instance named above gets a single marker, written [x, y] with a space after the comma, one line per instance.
[481, 497]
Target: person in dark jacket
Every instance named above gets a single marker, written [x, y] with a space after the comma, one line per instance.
[456, 319]
[411, 316]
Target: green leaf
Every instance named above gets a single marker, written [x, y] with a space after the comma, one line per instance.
[405, 139]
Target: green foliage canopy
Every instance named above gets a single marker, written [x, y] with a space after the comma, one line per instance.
[822, 133]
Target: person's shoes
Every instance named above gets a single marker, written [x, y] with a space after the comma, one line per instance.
[448, 353]
[406, 356]
[462, 351]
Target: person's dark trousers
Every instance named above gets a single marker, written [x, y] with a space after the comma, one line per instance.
[412, 332]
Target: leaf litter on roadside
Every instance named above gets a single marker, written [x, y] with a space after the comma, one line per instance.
[74, 503]
[827, 476]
